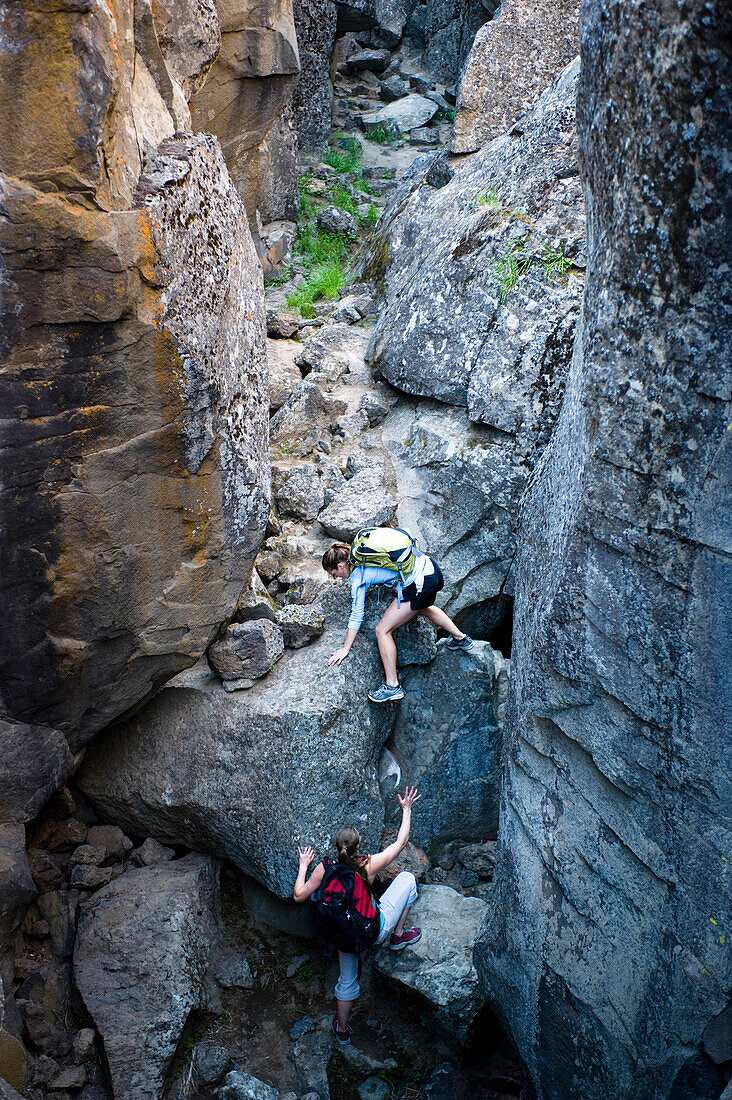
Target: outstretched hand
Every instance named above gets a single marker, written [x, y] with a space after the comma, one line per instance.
[338, 656]
[306, 856]
[411, 795]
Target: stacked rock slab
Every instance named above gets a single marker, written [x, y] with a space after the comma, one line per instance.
[132, 379]
[246, 102]
[514, 57]
[249, 774]
[607, 944]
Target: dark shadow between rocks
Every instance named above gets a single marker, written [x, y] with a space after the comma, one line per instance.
[490, 621]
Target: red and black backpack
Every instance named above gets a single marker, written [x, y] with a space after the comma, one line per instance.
[346, 914]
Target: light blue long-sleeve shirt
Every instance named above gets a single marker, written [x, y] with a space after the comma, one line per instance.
[363, 576]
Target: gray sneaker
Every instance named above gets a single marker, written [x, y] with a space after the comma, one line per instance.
[466, 644]
[386, 694]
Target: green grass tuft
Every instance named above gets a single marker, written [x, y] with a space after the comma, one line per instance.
[445, 114]
[341, 197]
[347, 161]
[554, 261]
[324, 282]
[510, 266]
[487, 198]
[381, 137]
[373, 214]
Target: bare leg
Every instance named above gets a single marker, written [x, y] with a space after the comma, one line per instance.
[344, 1011]
[393, 617]
[399, 926]
[437, 616]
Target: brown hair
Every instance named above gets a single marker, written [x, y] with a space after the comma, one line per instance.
[332, 558]
[347, 841]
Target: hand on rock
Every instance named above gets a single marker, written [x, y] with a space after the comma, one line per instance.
[411, 795]
[338, 656]
[306, 855]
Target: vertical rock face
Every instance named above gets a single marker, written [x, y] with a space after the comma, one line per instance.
[450, 27]
[245, 102]
[315, 23]
[606, 948]
[513, 59]
[132, 374]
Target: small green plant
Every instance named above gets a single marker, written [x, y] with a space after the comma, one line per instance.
[316, 246]
[347, 161]
[383, 137]
[510, 266]
[373, 214]
[324, 282]
[487, 198]
[445, 114]
[304, 971]
[554, 261]
[341, 197]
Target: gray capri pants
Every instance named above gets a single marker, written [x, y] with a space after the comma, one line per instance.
[396, 898]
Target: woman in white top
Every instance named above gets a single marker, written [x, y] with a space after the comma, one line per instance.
[417, 598]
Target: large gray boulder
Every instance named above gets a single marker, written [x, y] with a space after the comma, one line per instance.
[606, 947]
[506, 71]
[34, 761]
[440, 965]
[407, 113]
[250, 774]
[450, 740]
[449, 29]
[471, 312]
[140, 960]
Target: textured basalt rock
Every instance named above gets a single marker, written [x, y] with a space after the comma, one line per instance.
[513, 59]
[605, 947]
[246, 102]
[134, 463]
[441, 259]
[140, 960]
[315, 24]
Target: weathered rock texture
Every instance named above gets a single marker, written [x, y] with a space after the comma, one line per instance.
[246, 102]
[440, 966]
[250, 774]
[513, 59]
[315, 24]
[140, 961]
[387, 17]
[134, 463]
[452, 743]
[607, 942]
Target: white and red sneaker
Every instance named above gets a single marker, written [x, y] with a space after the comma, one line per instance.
[409, 935]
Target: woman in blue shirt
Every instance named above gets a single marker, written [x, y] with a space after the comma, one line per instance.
[416, 597]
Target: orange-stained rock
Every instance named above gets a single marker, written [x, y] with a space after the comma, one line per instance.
[133, 466]
[514, 58]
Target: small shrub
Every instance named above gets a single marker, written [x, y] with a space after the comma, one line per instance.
[554, 261]
[385, 137]
[373, 214]
[445, 114]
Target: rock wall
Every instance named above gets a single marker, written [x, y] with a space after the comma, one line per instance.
[450, 26]
[513, 59]
[132, 376]
[606, 948]
[246, 102]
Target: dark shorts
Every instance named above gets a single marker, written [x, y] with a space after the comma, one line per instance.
[432, 585]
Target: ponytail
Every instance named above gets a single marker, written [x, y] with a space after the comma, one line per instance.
[347, 841]
[338, 552]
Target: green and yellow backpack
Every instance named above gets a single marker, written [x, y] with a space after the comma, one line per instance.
[385, 547]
